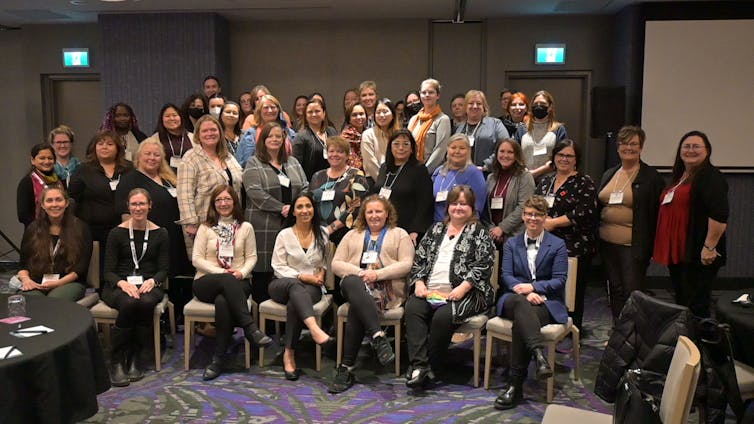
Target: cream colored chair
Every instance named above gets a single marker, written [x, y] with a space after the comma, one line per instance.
[501, 328]
[198, 311]
[105, 316]
[745, 378]
[391, 317]
[677, 395]
[92, 278]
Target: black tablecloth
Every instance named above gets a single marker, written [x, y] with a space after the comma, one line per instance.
[741, 320]
[60, 374]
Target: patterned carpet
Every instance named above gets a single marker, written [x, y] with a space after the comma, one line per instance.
[264, 396]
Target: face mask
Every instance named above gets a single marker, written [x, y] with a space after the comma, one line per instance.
[196, 112]
[412, 109]
[215, 111]
[539, 111]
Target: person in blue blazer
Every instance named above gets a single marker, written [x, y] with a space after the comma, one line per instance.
[535, 266]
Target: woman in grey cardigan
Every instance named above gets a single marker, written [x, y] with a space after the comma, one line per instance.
[482, 130]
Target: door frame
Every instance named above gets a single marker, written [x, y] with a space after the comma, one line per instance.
[48, 95]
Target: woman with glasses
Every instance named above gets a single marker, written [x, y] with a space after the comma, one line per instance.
[374, 141]
[309, 145]
[629, 197]
[404, 180]
[61, 139]
[572, 216]
[692, 222]
[482, 130]
[540, 135]
[268, 109]
[430, 127]
[457, 170]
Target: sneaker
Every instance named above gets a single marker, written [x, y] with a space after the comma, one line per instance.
[383, 350]
[342, 381]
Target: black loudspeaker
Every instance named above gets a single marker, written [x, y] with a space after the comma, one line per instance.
[608, 110]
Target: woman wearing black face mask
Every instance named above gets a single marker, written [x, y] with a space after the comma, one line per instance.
[193, 108]
[541, 134]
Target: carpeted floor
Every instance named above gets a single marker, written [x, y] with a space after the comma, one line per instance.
[262, 395]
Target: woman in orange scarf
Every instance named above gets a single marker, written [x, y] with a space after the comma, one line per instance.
[430, 127]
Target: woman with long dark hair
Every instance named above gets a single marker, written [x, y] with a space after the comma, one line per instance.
[172, 133]
[309, 145]
[41, 176]
[374, 140]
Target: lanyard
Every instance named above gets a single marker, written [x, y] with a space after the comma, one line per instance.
[631, 177]
[345, 173]
[390, 186]
[53, 252]
[170, 142]
[133, 246]
[444, 187]
[369, 244]
[672, 190]
[474, 131]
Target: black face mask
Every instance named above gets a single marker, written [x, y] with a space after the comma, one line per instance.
[196, 112]
[539, 111]
[412, 109]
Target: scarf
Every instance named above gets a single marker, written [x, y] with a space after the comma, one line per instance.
[426, 118]
[226, 234]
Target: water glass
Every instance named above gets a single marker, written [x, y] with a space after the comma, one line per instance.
[16, 306]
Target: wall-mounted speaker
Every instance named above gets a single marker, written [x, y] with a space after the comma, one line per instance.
[608, 110]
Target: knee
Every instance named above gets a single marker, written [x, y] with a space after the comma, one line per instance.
[350, 285]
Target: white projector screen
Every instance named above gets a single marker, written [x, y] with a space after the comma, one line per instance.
[699, 75]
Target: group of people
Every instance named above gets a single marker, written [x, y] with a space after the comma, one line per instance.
[415, 209]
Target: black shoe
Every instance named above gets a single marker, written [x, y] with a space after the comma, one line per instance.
[292, 376]
[418, 378]
[258, 338]
[383, 350]
[134, 373]
[214, 369]
[509, 398]
[342, 381]
[542, 365]
[118, 377]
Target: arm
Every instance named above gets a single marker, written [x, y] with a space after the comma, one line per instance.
[368, 153]
[255, 191]
[187, 178]
[300, 146]
[559, 273]
[500, 133]
[249, 251]
[358, 186]
[439, 141]
[479, 261]
[510, 278]
[405, 258]
[715, 230]
[199, 254]
[280, 258]
[341, 266]
[246, 146]
[424, 201]
[25, 205]
[110, 276]
[479, 187]
[80, 268]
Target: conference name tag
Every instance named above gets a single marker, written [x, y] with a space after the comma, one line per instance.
[175, 161]
[550, 199]
[668, 198]
[136, 280]
[385, 192]
[284, 181]
[369, 257]
[471, 140]
[616, 198]
[540, 150]
[226, 250]
[173, 191]
[114, 185]
[50, 277]
[496, 203]
[328, 195]
[441, 196]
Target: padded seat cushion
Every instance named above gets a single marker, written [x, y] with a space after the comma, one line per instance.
[745, 377]
[473, 323]
[272, 308]
[564, 414]
[549, 332]
[389, 315]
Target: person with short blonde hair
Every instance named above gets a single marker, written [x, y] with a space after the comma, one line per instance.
[458, 170]
[482, 130]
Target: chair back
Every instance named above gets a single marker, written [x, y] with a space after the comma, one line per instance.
[329, 276]
[680, 383]
[570, 288]
[495, 272]
[92, 274]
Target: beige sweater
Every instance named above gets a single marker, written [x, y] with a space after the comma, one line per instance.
[204, 256]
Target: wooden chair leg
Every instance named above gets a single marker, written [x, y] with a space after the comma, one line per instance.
[247, 348]
[340, 330]
[188, 334]
[576, 352]
[488, 359]
[477, 355]
[156, 336]
[397, 333]
[551, 380]
[318, 348]
[262, 322]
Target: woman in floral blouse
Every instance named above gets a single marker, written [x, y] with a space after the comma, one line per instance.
[572, 199]
[338, 190]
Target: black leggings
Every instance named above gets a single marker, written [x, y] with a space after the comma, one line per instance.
[229, 295]
[299, 299]
[134, 312]
[363, 317]
[692, 284]
[428, 332]
[527, 321]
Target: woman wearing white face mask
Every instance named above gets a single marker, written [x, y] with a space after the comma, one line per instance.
[482, 130]
[541, 134]
[216, 102]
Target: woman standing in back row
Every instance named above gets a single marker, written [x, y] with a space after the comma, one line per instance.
[540, 135]
[430, 127]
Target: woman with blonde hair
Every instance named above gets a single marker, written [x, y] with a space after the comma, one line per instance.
[61, 139]
[457, 170]
[430, 127]
[482, 130]
[268, 110]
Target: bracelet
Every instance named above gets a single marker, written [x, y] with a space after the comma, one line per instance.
[711, 249]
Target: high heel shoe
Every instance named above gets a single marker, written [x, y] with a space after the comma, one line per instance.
[292, 376]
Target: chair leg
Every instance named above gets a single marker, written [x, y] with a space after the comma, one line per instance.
[188, 334]
[247, 348]
[488, 359]
[340, 329]
[477, 355]
[551, 380]
[576, 352]
[156, 336]
[171, 318]
[262, 322]
[397, 333]
[319, 348]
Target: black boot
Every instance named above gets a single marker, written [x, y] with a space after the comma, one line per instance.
[118, 350]
[511, 395]
[255, 336]
[541, 364]
[214, 369]
[141, 338]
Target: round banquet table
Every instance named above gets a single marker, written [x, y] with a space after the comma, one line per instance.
[60, 374]
[741, 320]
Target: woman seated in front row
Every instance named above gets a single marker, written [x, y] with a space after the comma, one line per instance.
[136, 262]
[535, 266]
[298, 260]
[449, 282]
[373, 259]
[225, 251]
[55, 249]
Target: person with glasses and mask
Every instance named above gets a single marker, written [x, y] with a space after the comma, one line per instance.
[540, 134]
[535, 267]
[572, 215]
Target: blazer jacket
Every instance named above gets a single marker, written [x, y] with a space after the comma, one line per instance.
[551, 268]
[520, 188]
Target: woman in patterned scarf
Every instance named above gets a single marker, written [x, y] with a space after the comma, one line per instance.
[430, 127]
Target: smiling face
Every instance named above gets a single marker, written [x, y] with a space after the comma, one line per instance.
[44, 161]
[456, 108]
[401, 149]
[358, 117]
[350, 99]
[106, 149]
[150, 159]
[54, 203]
[383, 116]
[211, 86]
[138, 207]
[429, 95]
[303, 210]
[375, 215]
[274, 141]
[336, 156]
[122, 118]
[460, 211]
[224, 204]
[565, 160]
[458, 154]
[300, 106]
[315, 115]
[62, 145]
[230, 115]
[693, 151]
[475, 109]
[517, 109]
[506, 156]
[534, 221]
[631, 150]
[171, 119]
[368, 97]
[209, 135]
[246, 103]
[270, 111]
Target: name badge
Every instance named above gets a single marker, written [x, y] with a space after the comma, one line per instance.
[324, 154]
[114, 185]
[471, 140]
[175, 161]
[496, 203]
[668, 198]
[540, 150]
[328, 195]
[441, 196]
[50, 277]
[550, 199]
[284, 181]
[226, 250]
[129, 156]
[616, 198]
[136, 280]
[369, 257]
[173, 191]
[385, 192]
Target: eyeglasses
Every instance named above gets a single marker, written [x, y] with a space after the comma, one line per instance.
[694, 147]
[61, 143]
[631, 145]
[533, 215]
[224, 200]
[138, 204]
[564, 156]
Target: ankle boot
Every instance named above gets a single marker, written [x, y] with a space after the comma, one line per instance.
[214, 369]
[255, 336]
[542, 365]
[119, 346]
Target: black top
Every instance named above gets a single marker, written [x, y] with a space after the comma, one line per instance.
[25, 205]
[164, 213]
[80, 267]
[308, 149]
[709, 199]
[95, 200]
[576, 198]
[411, 195]
[119, 262]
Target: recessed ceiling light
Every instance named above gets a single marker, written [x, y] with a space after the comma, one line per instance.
[78, 2]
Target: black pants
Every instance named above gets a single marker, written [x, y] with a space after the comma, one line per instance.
[692, 284]
[582, 275]
[363, 317]
[428, 332]
[299, 299]
[260, 286]
[229, 295]
[134, 312]
[624, 274]
[527, 320]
